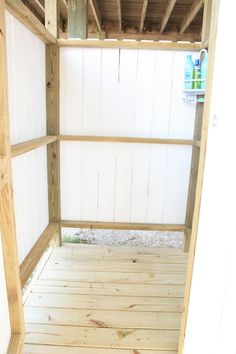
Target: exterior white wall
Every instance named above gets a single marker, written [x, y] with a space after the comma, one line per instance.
[5, 329]
[27, 109]
[212, 311]
[134, 93]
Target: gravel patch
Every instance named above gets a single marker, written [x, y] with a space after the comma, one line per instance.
[123, 237]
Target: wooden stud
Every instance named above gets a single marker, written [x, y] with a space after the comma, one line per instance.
[52, 16]
[119, 9]
[96, 13]
[122, 139]
[21, 148]
[24, 15]
[121, 225]
[193, 176]
[31, 260]
[77, 18]
[53, 128]
[168, 11]
[206, 21]
[206, 117]
[143, 15]
[7, 217]
[130, 45]
[188, 19]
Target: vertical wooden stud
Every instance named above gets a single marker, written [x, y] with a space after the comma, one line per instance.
[52, 17]
[7, 218]
[193, 176]
[77, 19]
[205, 124]
[206, 20]
[53, 128]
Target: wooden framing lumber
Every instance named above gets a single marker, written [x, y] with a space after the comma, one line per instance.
[7, 217]
[24, 15]
[129, 44]
[168, 11]
[206, 21]
[52, 16]
[121, 225]
[53, 128]
[195, 8]
[21, 148]
[143, 15]
[78, 18]
[31, 260]
[206, 118]
[121, 139]
[119, 15]
[193, 176]
[96, 13]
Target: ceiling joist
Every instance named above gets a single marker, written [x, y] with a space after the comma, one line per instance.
[119, 15]
[143, 15]
[195, 8]
[96, 13]
[167, 14]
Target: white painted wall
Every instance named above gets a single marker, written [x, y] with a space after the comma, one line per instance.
[212, 311]
[136, 93]
[5, 329]
[27, 108]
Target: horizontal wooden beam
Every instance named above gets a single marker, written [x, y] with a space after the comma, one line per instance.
[121, 139]
[129, 44]
[121, 226]
[188, 19]
[21, 148]
[24, 15]
[31, 260]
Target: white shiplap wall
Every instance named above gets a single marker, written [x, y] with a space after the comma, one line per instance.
[27, 108]
[136, 93]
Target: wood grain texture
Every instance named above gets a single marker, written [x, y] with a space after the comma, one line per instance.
[7, 217]
[21, 148]
[77, 18]
[28, 265]
[53, 128]
[52, 17]
[23, 14]
[189, 17]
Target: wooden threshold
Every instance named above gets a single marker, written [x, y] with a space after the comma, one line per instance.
[121, 139]
[105, 312]
[31, 260]
[21, 148]
[129, 44]
[24, 15]
[121, 225]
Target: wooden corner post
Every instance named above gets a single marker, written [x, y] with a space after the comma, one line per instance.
[53, 120]
[7, 218]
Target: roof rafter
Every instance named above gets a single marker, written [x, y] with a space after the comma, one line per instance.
[168, 11]
[96, 13]
[143, 15]
[195, 8]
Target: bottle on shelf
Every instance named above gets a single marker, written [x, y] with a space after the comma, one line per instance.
[196, 84]
[188, 72]
[204, 68]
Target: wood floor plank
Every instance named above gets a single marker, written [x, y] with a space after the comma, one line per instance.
[102, 302]
[73, 287]
[123, 257]
[117, 267]
[114, 277]
[101, 337]
[102, 319]
[44, 349]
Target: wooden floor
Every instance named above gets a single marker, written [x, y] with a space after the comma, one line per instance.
[106, 300]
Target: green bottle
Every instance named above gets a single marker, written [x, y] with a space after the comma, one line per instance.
[196, 85]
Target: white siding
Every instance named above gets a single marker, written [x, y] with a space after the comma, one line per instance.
[27, 108]
[212, 311]
[136, 93]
